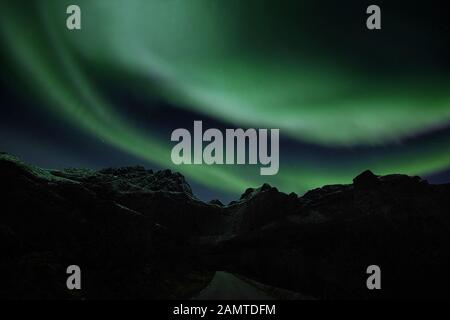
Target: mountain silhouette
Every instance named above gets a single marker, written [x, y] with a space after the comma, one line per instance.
[136, 233]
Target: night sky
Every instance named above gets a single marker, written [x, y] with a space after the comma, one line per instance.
[345, 98]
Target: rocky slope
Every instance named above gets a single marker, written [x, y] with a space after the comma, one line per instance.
[126, 228]
[142, 234]
[322, 243]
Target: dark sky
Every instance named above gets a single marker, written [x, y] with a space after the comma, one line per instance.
[345, 99]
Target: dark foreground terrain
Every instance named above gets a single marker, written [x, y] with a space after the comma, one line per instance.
[136, 233]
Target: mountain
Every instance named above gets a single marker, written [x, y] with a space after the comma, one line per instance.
[136, 233]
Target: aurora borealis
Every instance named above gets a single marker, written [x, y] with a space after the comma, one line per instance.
[344, 98]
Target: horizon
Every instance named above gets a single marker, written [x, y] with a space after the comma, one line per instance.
[206, 194]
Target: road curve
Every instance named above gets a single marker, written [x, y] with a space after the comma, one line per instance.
[226, 286]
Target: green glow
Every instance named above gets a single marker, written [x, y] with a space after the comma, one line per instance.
[192, 51]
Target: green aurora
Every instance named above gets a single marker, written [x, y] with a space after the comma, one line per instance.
[207, 57]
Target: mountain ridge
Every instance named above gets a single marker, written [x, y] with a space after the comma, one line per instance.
[148, 231]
